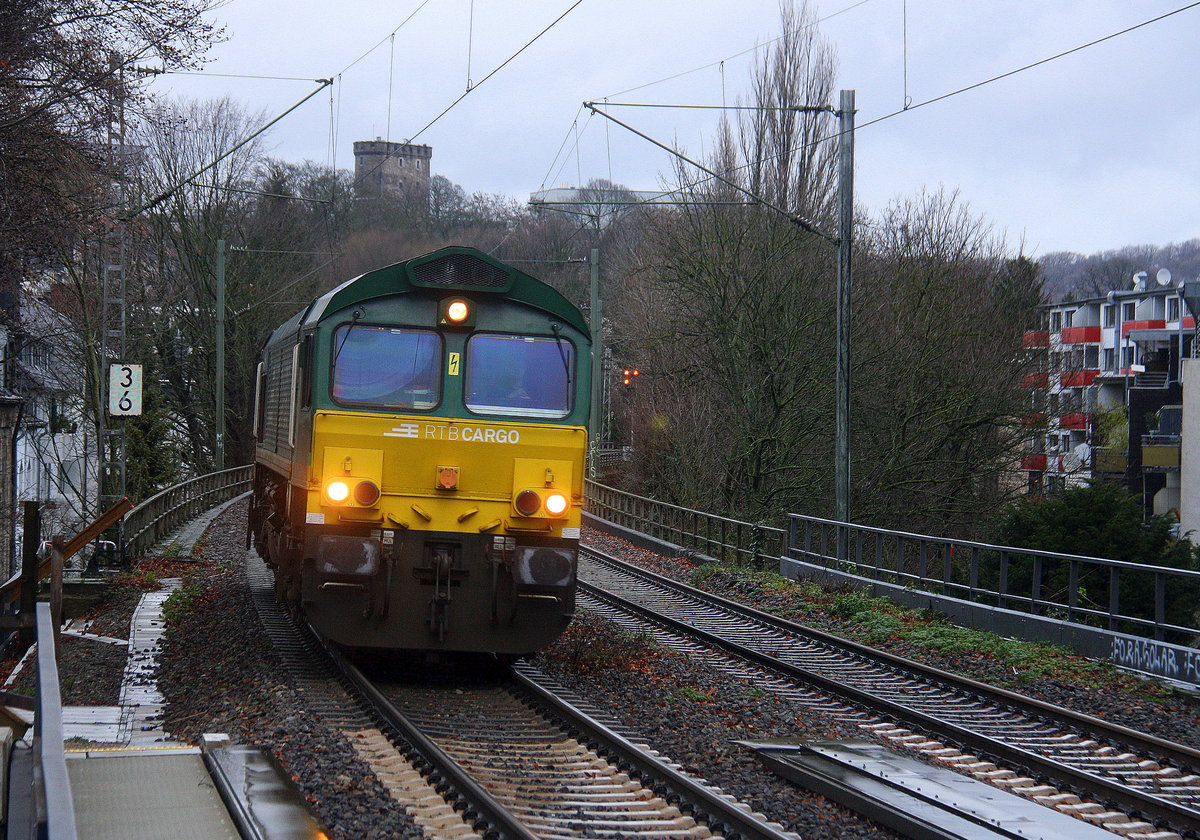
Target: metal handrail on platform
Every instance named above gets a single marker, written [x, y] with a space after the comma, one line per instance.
[55, 808]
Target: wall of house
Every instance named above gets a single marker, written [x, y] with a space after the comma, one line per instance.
[1189, 455]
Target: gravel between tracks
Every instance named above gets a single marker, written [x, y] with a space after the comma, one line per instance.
[1105, 692]
[220, 674]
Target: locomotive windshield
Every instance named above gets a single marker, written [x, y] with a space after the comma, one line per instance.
[519, 375]
[386, 366]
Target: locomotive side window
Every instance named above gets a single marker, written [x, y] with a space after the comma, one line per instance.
[519, 375]
[386, 366]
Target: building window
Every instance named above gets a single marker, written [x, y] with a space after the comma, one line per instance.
[1068, 319]
[1055, 321]
[1091, 358]
[1173, 309]
[1110, 359]
[1110, 315]
[1126, 356]
[1128, 311]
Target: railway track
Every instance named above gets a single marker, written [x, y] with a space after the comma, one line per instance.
[507, 756]
[1079, 755]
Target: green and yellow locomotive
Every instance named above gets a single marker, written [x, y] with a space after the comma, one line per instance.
[421, 435]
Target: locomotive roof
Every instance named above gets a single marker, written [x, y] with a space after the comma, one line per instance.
[447, 270]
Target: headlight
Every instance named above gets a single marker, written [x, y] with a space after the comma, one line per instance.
[366, 493]
[528, 502]
[337, 491]
[556, 504]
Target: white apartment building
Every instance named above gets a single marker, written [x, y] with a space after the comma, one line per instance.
[1107, 399]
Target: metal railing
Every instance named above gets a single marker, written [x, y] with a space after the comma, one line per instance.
[163, 512]
[1156, 602]
[55, 806]
[1150, 601]
[725, 540]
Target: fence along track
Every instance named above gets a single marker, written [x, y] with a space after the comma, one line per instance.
[1046, 740]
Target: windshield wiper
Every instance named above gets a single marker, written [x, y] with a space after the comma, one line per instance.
[555, 328]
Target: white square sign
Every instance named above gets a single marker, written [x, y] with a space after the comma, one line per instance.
[124, 390]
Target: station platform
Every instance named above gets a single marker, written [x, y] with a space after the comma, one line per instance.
[129, 779]
[136, 794]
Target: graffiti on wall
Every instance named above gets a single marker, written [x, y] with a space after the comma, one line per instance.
[1159, 658]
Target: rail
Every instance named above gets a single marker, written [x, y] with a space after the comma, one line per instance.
[725, 540]
[1150, 601]
[56, 809]
[163, 512]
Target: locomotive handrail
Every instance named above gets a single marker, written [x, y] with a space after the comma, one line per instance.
[162, 513]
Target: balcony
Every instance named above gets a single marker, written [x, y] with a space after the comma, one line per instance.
[1129, 326]
[1036, 419]
[1080, 335]
[1160, 452]
[1109, 461]
[1078, 378]
[1033, 462]
[1075, 420]
[1036, 380]
[1036, 338]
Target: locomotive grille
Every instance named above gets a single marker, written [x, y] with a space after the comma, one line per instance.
[460, 271]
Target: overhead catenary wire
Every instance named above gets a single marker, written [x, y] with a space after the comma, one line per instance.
[384, 39]
[796, 219]
[497, 69]
[911, 107]
[360, 178]
[163, 196]
[746, 51]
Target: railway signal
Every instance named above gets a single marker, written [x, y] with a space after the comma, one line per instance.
[629, 375]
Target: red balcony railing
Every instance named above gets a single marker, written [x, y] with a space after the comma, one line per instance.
[1035, 380]
[1076, 420]
[1141, 325]
[1078, 378]
[1033, 462]
[1080, 335]
[1036, 338]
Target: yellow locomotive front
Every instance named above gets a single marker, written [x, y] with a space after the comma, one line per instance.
[442, 533]
[425, 492]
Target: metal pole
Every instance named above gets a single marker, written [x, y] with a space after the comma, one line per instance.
[219, 386]
[845, 248]
[31, 537]
[597, 323]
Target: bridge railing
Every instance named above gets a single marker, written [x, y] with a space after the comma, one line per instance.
[724, 539]
[155, 518]
[1152, 601]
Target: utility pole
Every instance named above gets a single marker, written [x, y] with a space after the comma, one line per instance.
[596, 417]
[114, 259]
[219, 422]
[844, 277]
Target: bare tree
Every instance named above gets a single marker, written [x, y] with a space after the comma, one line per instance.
[65, 82]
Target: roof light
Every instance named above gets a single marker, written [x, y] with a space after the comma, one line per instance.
[458, 311]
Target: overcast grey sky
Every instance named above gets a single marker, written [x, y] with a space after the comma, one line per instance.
[1092, 151]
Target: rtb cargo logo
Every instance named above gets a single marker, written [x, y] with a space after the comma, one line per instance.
[465, 433]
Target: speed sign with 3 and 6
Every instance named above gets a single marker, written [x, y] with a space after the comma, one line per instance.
[124, 390]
